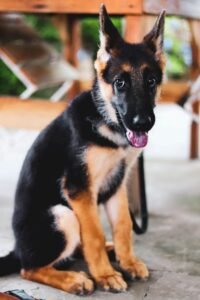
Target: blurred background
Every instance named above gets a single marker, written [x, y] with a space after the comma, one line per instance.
[26, 75]
[177, 48]
[46, 58]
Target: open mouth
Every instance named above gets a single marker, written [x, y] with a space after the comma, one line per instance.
[137, 139]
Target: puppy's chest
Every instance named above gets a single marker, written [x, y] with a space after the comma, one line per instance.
[102, 164]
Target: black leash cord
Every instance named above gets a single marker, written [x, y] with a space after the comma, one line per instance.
[140, 229]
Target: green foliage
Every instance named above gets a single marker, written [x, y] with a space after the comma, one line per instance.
[177, 47]
[9, 84]
[176, 67]
[45, 28]
[90, 32]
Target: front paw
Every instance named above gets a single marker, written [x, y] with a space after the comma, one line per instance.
[112, 282]
[136, 268]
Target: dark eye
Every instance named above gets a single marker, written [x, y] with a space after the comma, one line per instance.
[119, 84]
[151, 81]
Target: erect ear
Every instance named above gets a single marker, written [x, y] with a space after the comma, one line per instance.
[154, 39]
[110, 38]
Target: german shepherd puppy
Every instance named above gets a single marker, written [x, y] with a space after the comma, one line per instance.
[80, 161]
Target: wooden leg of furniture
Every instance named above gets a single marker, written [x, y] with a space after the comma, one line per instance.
[134, 28]
[75, 37]
[70, 33]
[195, 43]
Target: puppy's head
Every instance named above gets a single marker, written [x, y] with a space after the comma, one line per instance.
[129, 78]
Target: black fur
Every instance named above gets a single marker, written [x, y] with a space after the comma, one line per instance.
[9, 264]
[55, 153]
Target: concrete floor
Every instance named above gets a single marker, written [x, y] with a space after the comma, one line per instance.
[171, 247]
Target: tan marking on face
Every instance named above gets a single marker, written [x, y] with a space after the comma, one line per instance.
[158, 94]
[106, 90]
[144, 66]
[101, 61]
[126, 67]
[100, 66]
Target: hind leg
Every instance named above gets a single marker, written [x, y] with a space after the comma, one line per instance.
[71, 282]
[65, 222]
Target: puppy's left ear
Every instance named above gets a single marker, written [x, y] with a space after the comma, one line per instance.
[154, 39]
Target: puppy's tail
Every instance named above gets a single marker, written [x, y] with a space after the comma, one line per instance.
[9, 264]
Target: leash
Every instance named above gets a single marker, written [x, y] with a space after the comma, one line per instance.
[142, 228]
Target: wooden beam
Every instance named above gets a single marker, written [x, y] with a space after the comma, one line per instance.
[172, 91]
[72, 6]
[28, 114]
[36, 114]
[185, 8]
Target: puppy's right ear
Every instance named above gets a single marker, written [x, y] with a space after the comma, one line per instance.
[154, 39]
[110, 39]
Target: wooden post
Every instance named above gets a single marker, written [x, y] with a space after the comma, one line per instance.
[71, 51]
[134, 28]
[194, 137]
[195, 44]
[70, 34]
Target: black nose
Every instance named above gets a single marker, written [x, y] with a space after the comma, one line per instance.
[143, 122]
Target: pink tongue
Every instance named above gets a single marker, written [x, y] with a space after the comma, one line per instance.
[137, 139]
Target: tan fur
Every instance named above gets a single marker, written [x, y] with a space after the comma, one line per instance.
[126, 67]
[100, 163]
[106, 93]
[73, 282]
[100, 66]
[119, 217]
[93, 242]
[116, 137]
[158, 94]
[106, 90]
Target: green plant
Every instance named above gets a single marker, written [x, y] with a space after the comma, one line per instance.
[90, 32]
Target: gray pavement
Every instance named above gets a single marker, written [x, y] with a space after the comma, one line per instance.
[171, 247]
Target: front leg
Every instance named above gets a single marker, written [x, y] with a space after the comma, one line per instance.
[119, 217]
[93, 242]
